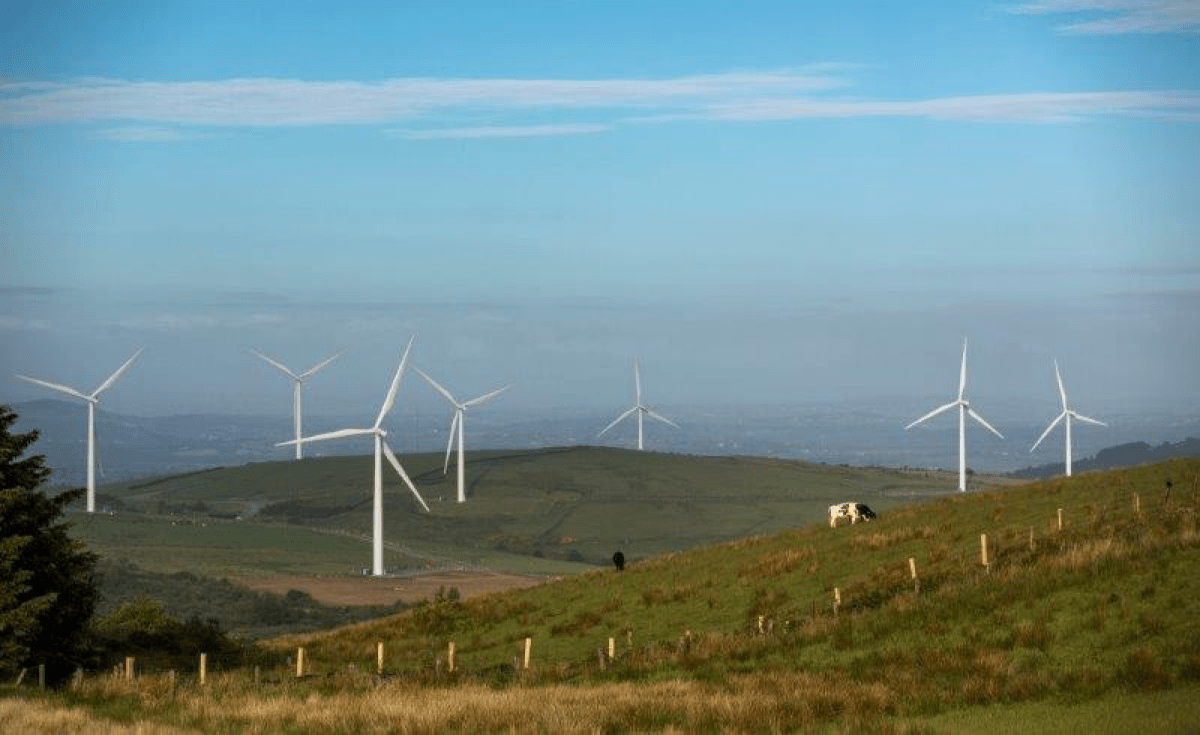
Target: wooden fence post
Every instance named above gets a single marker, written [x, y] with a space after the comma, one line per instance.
[983, 552]
[1060, 519]
[379, 658]
[528, 648]
[837, 600]
[1137, 504]
[1031, 547]
[300, 662]
[450, 657]
[203, 668]
[129, 667]
[612, 648]
[912, 571]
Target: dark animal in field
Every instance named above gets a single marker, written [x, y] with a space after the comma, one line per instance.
[854, 511]
[619, 561]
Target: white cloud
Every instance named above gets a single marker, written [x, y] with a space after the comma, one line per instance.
[163, 111]
[1036, 107]
[274, 102]
[1107, 17]
[504, 131]
[148, 134]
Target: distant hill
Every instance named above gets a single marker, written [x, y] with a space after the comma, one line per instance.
[1122, 455]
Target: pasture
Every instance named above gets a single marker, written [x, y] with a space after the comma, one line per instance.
[1096, 620]
[542, 512]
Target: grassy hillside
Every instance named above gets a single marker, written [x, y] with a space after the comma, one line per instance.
[1096, 622]
[550, 511]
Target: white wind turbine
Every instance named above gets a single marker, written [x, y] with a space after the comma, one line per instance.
[1067, 414]
[964, 408]
[297, 390]
[381, 450]
[638, 408]
[92, 399]
[456, 425]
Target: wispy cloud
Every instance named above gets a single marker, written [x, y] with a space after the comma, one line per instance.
[1034, 107]
[429, 108]
[275, 102]
[504, 131]
[148, 134]
[1105, 17]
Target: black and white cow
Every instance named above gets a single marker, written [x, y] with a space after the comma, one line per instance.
[854, 511]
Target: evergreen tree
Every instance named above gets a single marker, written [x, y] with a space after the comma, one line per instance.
[48, 590]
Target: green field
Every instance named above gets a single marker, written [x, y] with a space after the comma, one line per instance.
[551, 511]
[1091, 625]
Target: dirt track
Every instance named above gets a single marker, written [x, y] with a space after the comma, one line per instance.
[387, 590]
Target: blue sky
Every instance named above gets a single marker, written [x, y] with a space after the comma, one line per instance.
[763, 201]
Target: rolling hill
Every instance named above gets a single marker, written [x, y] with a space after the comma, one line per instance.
[547, 511]
[1086, 615]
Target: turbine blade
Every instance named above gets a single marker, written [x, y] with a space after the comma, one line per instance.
[56, 387]
[276, 364]
[932, 413]
[1049, 428]
[637, 382]
[962, 373]
[339, 434]
[387, 451]
[117, 375]
[390, 400]
[436, 385]
[618, 420]
[661, 418]
[450, 441]
[1087, 420]
[981, 420]
[1061, 390]
[318, 367]
[485, 397]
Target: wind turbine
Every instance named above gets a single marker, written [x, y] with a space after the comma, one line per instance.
[638, 408]
[964, 409]
[456, 425]
[381, 450]
[92, 399]
[297, 390]
[1067, 414]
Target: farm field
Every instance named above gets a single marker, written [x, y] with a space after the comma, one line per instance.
[1091, 624]
[545, 512]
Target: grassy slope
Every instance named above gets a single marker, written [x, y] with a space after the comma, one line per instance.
[530, 512]
[1097, 626]
[1111, 601]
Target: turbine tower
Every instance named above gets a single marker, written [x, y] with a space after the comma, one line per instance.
[381, 450]
[456, 425]
[964, 409]
[92, 399]
[638, 408]
[1068, 414]
[297, 390]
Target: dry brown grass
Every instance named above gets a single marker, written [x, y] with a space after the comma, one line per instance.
[26, 716]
